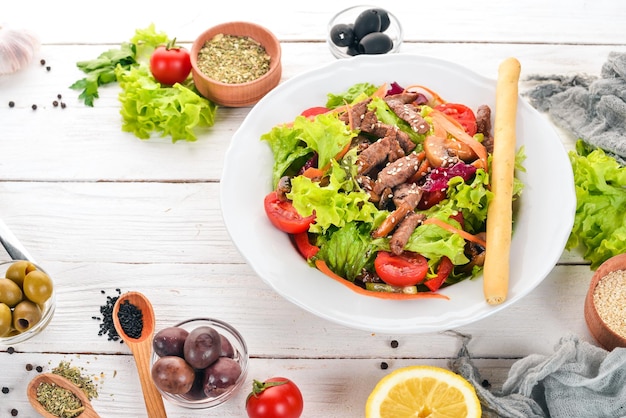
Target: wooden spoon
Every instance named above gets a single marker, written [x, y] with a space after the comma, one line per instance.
[142, 350]
[31, 393]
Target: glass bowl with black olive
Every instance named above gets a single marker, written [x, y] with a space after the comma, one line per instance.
[199, 363]
[27, 301]
[361, 30]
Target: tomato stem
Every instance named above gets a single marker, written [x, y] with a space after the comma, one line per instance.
[258, 387]
[171, 45]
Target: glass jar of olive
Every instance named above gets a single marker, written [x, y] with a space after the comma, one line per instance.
[27, 301]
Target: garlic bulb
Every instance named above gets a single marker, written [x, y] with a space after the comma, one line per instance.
[17, 48]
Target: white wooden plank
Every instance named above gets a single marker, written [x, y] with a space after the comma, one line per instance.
[536, 21]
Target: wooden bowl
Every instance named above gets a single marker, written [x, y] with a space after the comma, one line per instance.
[242, 94]
[604, 335]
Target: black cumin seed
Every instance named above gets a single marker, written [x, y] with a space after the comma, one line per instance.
[10, 350]
[34, 107]
[11, 103]
[62, 105]
[384, 365]
[131, 319]
[48, 68]
[5, 390]
[39, 369]
[485, 383]
[59, 96]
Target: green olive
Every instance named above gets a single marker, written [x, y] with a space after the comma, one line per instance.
[18, 270]
[5, 319]
[25, 315]
[37, 286]
[10, 292]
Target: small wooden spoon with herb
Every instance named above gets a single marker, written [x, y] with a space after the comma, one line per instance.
[62, 382]
[141, 346]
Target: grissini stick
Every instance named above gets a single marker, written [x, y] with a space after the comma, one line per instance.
[500, 211]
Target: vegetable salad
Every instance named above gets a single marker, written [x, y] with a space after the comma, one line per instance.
[386, 188]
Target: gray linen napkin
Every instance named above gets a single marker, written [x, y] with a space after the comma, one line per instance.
[579, 380]
[592, 108]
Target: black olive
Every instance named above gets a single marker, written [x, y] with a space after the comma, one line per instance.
[367, 22]
[384, 19]
[375, 43]
[342, 34]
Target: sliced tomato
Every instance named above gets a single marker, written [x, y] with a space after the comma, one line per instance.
[406, 269]
[314, 111]
[443, 271]
[305, 248]
[462, 114]
[284, 216]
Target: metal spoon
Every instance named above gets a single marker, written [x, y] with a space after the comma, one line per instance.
[31, 393]
[142, 350]
[12, 245]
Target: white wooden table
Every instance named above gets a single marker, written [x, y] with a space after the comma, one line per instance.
[101, 209]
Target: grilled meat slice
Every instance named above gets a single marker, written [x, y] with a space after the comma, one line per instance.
[356, 114]
[483, 123]
[409, 193]
[383, 150]
[404, 230]
[397, 172]
[402, 105]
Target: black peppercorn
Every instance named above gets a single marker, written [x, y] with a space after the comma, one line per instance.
[11, 103]
[59, 96]
[10, 350]
[48, 68]
[34, 107]
[29, 367]
[13, 412]
[42, 62]
[55, 103]
[39, 369]
[394, 343]
[384, 365]
[62, 105]
[5, 390]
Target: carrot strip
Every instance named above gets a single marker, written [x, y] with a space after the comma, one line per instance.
[391, 221]
[421, 171]
[323, 267]
[450, 228]
[457, 131]
[381, 91]
[313, 173]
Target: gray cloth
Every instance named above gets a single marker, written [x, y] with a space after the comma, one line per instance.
[579, 380]
[591, 108]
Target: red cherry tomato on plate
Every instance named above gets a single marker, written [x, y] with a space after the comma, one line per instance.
[462, 114]
[277, 397]
[170, 64]
[406, 269]
[443, 271]
[305, 248]
[314, 111]
[284, 216]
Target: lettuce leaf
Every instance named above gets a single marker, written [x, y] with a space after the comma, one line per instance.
[355, 93]
[599, 223]
[340, 202]
[148, 107]
[287, 148]
[325, 134]
[348, 250]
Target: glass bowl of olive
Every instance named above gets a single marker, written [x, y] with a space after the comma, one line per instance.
[27, 301]
[199, 363]
[364, 30]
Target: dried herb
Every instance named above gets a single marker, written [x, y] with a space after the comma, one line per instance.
[58, 401]
[233, 59]
[74, 375]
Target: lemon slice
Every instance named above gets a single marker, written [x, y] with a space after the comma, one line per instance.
[421, 392]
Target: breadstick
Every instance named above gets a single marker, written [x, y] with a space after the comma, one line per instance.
[500, 210]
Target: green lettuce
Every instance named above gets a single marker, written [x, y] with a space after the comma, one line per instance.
[148, 107]
[599, 223]
[354, 94]
[348, 250]
[287, 149]
[338, 203]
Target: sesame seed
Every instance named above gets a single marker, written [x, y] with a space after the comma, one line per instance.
[609, 298]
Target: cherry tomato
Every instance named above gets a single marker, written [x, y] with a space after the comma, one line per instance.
[462, 114]
[314, 111]
[305, 248]
[284, 216]
[406, 269]
[170, 64]
[443, 271]
[277, 397]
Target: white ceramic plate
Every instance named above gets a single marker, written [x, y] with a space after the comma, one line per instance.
[543, 221]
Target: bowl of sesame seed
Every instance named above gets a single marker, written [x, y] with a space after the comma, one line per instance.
[605, 303]
[235, 64]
